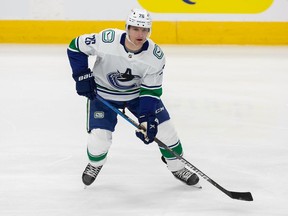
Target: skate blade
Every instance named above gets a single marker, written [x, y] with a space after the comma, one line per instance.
[198, 186]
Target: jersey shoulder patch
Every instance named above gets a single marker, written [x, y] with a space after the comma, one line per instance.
[157, 51]
[108, 36]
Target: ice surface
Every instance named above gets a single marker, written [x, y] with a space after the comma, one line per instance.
[228, 103]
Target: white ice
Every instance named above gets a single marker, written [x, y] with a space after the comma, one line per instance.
[228, 103]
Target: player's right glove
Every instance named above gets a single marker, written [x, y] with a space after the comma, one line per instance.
[85, 84]
[150, 123]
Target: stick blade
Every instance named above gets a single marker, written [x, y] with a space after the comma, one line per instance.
[245, 196]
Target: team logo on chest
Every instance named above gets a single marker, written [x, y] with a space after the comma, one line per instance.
[124, 81]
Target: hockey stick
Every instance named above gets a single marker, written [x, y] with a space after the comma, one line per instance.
[245, 196]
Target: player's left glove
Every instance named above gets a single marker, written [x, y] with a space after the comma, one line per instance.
[150, 123]
[85, 84]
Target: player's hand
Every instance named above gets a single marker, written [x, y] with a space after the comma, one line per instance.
[149, 128]
[85, 84]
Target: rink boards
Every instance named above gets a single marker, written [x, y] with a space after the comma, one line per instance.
[163, 32]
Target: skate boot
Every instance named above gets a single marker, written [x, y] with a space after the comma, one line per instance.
[90, 173]
[186, 176]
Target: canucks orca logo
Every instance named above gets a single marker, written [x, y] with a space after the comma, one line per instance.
[123, 81]
[189, 2]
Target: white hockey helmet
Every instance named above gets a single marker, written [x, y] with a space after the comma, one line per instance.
[139, 18]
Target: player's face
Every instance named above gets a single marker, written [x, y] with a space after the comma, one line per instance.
[138, 35]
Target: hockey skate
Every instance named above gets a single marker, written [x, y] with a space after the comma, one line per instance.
[186, 176]
[90, 173]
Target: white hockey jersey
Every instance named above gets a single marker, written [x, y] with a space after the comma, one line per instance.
[121, 75]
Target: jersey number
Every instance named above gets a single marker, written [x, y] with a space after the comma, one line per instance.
[90, 40]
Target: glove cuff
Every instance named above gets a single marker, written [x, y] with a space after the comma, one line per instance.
[145, 117]
[83, 75]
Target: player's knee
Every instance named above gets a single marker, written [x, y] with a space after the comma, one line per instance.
[167, 133]
[99, 141]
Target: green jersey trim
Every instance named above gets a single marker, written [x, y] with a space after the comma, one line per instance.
[73, 46]
[152, 92]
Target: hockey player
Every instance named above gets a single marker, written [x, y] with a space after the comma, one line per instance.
[128, 72]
